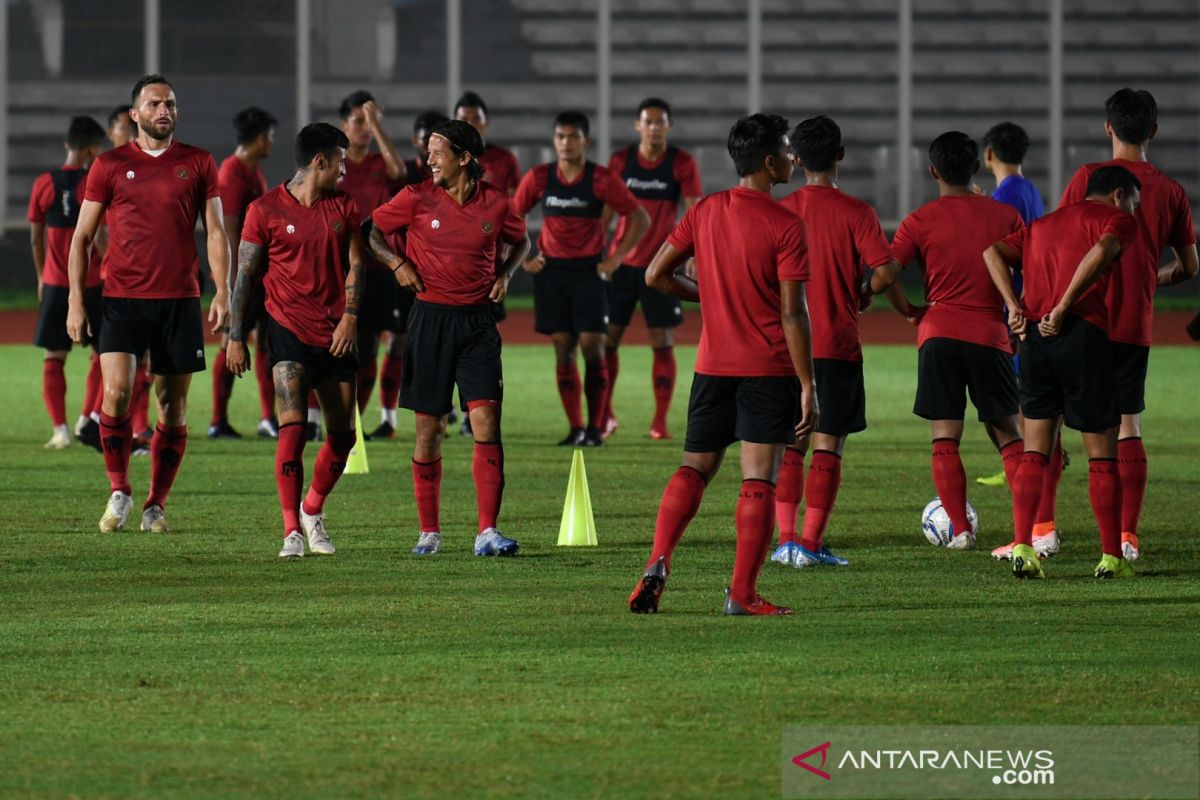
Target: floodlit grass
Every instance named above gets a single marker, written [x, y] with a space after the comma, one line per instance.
[196, 664]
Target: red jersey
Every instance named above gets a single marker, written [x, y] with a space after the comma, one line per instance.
[153, 203]
[54, 202]
[745, 244]
[367, 182]
[844, 235]
[571, 228]
[948, 236]
[500, 168]
[659, 186]
[453, 247]
[1164, 220]
[240, 186]
[1051, 249]
[308, 256]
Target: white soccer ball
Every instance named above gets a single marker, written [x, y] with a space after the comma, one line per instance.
[935, 522]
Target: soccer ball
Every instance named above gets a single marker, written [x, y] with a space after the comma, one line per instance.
[935, 522]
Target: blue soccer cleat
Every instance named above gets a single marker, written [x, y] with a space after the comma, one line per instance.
[785, 554]
[493, 543]
[823, 556]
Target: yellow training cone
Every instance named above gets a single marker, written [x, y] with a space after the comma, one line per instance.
[356, 464]
[578, 525]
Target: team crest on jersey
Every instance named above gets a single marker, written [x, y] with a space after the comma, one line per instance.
[182, 173]
[338, 227]
[129, 175]
[291, 228]
[437, 223]
[486, 226]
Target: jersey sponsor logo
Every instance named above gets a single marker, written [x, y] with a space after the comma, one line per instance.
[437, 223]
[182, 173]
[291, 228]
[338, 227]
[129, 175]
[552, 201]
[652, 185]
[486, 226]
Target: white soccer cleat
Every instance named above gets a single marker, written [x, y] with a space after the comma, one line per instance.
[428, 543]
[155, 519]
[1129, 546]
[1003, 552]
[60, 439]
[963, 541]
[314, 528]
[116, 512]
[293, 546]
[1046, 545]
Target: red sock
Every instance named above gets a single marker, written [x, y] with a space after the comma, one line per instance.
[488, 469]
[1131, 459]
[54, 390]
[662, 372]
[789, 494]
[222, 387]
[330, 464]
[93, 388]
[595, 386]
[1011, 454]
[266, 384]
[116, 437]
[680, 501]
[950, 480]
[367, 371]
[1046, 507]
[1026, 490]
[569, 392]
[427, 487]
[612, 359]
[824, 480]
[166, 454]
[289, 472]
[1105, 491]
[140, 399]
[755, 519]
[389, 381]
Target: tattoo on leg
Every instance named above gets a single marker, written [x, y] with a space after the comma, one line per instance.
[291, 386]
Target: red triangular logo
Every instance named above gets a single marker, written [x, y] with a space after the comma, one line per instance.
[823, 749]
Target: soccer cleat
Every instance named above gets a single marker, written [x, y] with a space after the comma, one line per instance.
[962, 541]
[610, 426]
[141, 443]
[313, 526]
[89, 434]
[60, 440]
[658, 430]
[823, 556]
[155, 519]
[384, 431]
[1047, 544]
[1129, 546]
[644, 597]
[785, 554]
[116, 512]
[268, 428]
[993, 480]
[574, 438]
[465, 428]
[758, 608]
[428, 543]
[293, 546]
[1113, 567]
[452, 417]
[222, 430]
[314, 432]
[1066, 458]
[493, 543]
[592, 437]
[1003, 552]
[1025, 562]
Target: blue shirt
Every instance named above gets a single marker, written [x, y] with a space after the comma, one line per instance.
[1020, 193]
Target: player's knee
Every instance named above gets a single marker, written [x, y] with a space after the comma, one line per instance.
[661, 337]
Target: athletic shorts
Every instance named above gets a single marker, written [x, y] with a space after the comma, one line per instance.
[52, 317]
[570, 298]
[319, 364]
[448, 346]
[384, 306]
[723, 410]
[949, 369]
[627, 287]
[172, 330]
[1132, 362]
[1071, 375]
[841, 396]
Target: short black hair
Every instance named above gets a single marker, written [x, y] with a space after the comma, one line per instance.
[353, 101]
[1008, 141]
[148, 80]
[428, 120]
[84, 132]
[119, 112]
[654, 102]
[573, 119]
[1108, 179]
[462, 138]
[470, 99]
[1132, 114]
[954, 154]
[252, 122]
[816, 141]
[319, 138]
[752, 139]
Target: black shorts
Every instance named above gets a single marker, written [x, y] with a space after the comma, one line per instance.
[949, 369]
[570, 299]
[52, 317]
[723, 410]
[384, 306]
[1071, 375]
[1132, 363]
[841, 396]
[627, 287]
[319, 364]
[172, 330]
[450, 345]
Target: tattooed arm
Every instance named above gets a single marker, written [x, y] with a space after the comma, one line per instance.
[405, 274]
[250, 256]
[347, 330]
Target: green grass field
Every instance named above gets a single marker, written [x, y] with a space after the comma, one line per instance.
[196, 664]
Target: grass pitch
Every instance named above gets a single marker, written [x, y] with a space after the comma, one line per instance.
[196, 664]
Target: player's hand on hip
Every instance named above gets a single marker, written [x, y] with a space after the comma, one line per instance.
[535, 265]
[237, 357]
[499, 289]
[79, 328]
[218, 312]
[344, 336]
[1051, 324]
[607, 267]
[408, 278]
[809, 413]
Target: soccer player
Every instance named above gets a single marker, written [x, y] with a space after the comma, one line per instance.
[423, 125]
[570, 300]
[53, 210]
[309, 234]
[153, 190]
[121, 130]
[453, 226]
[663, 178]
[962, 339]
[242, 182]
[754, 370]
[1066, 356]
[843, 235]
[500, 167]
[1165, 221]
